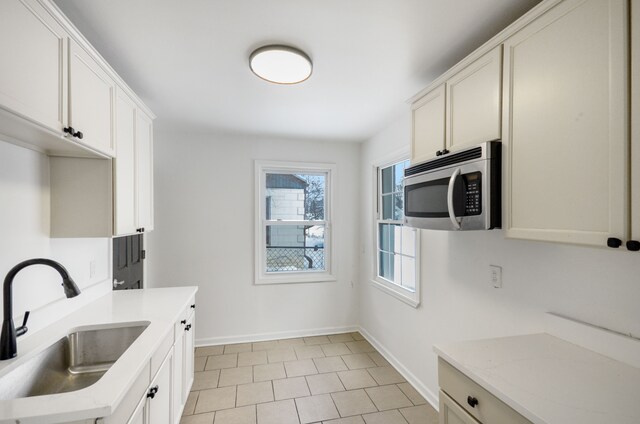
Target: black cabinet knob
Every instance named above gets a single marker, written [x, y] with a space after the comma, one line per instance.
[439, 153]
[445, 151]
[79, 135]
[633, 245]
[152, 392]
[193, 306]
[473, 402]
[69, 130]
[183, 322]
[614, 242]
[187, 328]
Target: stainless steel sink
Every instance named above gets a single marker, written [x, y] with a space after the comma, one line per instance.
[72, 363]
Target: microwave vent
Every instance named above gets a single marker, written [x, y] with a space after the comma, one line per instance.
[444, 161]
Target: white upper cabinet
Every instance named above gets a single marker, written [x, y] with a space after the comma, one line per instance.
[427, 120]
[33, 74]
[124, 193]
[634, 243]
[144, 171]
[91, 101]
[565, 134]
[464, 110]
[474, 99]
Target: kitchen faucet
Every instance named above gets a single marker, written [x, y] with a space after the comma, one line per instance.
[8, 343]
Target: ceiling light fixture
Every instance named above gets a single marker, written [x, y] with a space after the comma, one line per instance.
[280, 64]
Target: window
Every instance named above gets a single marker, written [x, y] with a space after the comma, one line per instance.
[293, 222]
[396, 245]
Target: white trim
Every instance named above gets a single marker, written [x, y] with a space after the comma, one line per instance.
[410, 298]
[261, 167]
[417, 384]
[277, 335]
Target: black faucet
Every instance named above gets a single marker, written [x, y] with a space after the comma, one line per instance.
[8, 344]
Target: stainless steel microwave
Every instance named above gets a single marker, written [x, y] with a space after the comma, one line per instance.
[455, 191]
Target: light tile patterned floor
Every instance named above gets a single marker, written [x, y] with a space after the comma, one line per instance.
[337, 379]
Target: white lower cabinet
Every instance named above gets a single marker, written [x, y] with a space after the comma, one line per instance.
[139, 415]
[160, 394]
[452, 413]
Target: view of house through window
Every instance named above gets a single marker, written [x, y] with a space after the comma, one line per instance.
[396, 251]
[295, 221]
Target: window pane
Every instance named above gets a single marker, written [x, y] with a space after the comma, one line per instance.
[409, 273]
[295, 196]
[384, 269]
[387, 180]
[396, 269]
[398, 206]
[408, 241]
[295, 248]
[384, 237]
[399, 176]
[396, 238]
[387, 206]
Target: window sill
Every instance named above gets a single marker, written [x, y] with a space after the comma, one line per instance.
[413, 301]
[295, 279]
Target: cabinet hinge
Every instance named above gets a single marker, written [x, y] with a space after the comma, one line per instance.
[143, 254]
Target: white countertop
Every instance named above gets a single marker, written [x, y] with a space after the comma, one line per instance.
[160, 307]
[549, 380]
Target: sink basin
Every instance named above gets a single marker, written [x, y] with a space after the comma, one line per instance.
[72, 363]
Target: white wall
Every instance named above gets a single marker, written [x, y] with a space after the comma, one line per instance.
[24, 234]
[599, 286]
[204, 235]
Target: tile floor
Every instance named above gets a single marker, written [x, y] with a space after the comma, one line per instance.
[337, 379]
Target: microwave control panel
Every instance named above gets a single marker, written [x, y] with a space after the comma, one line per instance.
[473, 202]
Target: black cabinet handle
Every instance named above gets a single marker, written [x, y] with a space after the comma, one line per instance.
[152, 392]
[183, 322]
[439, 153]
[614, 242]
[193, 306]
[69, 130]
[633, 245]
[79, 135]
[473, 402]
[445, 151]
[187, 328]
[140, 230]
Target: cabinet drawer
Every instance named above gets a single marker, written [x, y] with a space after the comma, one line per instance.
[489, 409]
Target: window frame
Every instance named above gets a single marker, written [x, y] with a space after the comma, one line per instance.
[386, 286]
[261, 276]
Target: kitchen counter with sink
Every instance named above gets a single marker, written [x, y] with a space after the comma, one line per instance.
[83, 366]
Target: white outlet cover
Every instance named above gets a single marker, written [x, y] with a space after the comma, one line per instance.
[495, 276]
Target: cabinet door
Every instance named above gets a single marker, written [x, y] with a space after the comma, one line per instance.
[91, 101]
[565, 125]
[452, 413]
[474, 99]
[33, 74]
[139, 415]
[124, 166]
[189, 353]
[427, 120]
[178, 361]
[144, 171]
[159, 407]
[635, 123]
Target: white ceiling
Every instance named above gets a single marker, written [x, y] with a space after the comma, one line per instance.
[188, 59]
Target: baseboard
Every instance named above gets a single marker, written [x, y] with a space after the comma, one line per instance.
[260, 337]
[430, 397]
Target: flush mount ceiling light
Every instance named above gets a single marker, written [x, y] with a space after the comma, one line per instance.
[280, 64]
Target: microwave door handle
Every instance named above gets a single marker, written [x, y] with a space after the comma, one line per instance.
[452, 214]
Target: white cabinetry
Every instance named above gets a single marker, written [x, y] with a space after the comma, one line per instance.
[160, 394]
[428, 123]
[565, 125]
[463, 401]
[183, 373]
[91, 101]
[463, 109]
[144, 171]
[133, 168]
[634, 243]
[474, 99]
[33, 75]
[139, 415]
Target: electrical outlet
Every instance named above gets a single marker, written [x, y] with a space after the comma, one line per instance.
[92, 268]
[495, 276]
